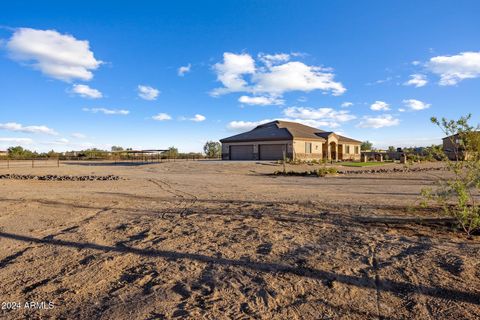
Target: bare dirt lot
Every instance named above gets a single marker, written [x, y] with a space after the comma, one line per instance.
[221, 240]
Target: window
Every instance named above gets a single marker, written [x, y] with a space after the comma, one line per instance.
[308, 147]
[347, 149]
[356, 150]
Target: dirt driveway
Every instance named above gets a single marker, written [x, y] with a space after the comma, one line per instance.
[222, 240]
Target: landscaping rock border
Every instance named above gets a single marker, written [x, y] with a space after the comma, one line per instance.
[54, 177]
[391, 170]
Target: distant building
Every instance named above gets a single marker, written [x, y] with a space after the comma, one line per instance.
[278, 139]
[3, 153]
[454, 146]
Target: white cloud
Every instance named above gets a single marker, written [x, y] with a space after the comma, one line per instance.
[261, 101]
[20, 141]
[402, 109]
[416, 63]
[240, 126]
[184, 69]
[147, 92]
[323, 114]
[380, 106]
[346, 104]
[296, 76]
[417, 80]
[274, 78]
[230, 72]
[162, 117]
[385, 120]
[107, 111]
[453, 69]
[198, 118]
[413, 104]
[271, 59]
[86, 92]
[245, 125]
[56, 55]
[13, 126]
[79, 135]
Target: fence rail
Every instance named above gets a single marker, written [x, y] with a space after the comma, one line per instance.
[30, 163]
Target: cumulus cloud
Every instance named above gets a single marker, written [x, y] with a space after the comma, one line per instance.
[230, 72]
[261, 101]
[346, 104]
[245, 125]
[271, 59]
[277, 76]
[415, 105]
[162, 117]
[296, 76]
[327, 115]
[240, 125]
[184, 69]
[416, 80]
[13, 126]
[198, 118]
[380, 106]
[56, 55]
[147, 92]
[453, 69]
[385, 120]
[107, 111]
[86, 92]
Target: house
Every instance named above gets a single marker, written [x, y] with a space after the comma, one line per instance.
[454, 146]
[277, 140]
[3, 153]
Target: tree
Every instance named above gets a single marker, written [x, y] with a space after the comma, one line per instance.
[391, 149]
[20, 153]
[172, 152]
[455, 192]
[366, 145]
[212, 149]
[116, 148]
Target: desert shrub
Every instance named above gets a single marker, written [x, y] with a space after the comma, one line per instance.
[456, 193]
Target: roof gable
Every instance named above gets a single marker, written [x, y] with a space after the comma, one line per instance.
[284, 130]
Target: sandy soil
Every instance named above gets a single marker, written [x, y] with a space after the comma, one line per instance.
[222, 240]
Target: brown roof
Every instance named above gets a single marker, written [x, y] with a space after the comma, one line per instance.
[284, 130]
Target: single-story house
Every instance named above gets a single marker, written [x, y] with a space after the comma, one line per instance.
[3, 153]
[277, 140]
[454, 147]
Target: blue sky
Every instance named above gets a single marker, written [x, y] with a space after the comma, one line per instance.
[150, 74]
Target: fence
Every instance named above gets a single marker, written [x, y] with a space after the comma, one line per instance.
[30, 163]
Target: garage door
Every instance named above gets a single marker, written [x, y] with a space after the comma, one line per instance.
[244, 152]
[271, 151]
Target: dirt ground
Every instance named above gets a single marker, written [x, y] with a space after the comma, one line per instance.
[225, 240]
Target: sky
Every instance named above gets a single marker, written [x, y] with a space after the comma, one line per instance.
[155, 74]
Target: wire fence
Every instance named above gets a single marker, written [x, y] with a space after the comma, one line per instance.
[30, 163]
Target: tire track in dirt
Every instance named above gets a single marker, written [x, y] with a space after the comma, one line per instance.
[374, 265]
[187, 201]
[65, 271]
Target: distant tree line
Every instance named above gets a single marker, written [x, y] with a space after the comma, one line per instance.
[212, 149]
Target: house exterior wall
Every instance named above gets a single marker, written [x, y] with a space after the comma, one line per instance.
[296, 149]
[226, 147]
[351, 154]
[299, 149]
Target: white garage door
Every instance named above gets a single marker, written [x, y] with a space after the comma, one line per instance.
[243, 152]
[271, 151]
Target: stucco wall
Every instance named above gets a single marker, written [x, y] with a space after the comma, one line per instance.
[299, 150]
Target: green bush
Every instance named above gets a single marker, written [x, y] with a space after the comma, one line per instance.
[456, 192]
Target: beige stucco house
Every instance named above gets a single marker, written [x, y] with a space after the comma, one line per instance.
[278, 139]
[454, 146]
